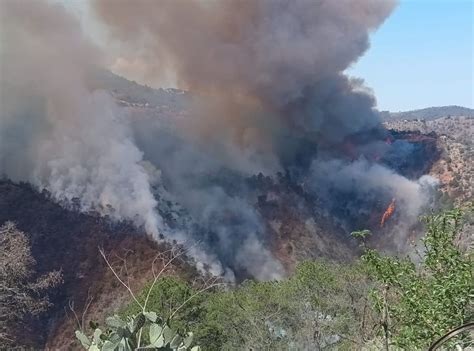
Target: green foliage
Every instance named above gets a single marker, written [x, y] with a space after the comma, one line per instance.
[335, 304]
[428, 299]
[165, 297]
[313, 307]
[326, 305]
[251, 315]
[361, 234]
[127, 335]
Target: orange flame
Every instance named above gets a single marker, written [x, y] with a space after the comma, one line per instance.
[388, 213]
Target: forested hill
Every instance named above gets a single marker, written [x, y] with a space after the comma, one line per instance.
[429, 113]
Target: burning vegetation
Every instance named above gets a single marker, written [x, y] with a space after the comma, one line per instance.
[388, 213]
[258, 102]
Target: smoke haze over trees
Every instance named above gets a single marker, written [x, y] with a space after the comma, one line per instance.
[270, 97]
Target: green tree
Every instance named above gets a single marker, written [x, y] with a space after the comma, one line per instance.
[322, 305]
[328, 306]
[423, 301]
[166, 295]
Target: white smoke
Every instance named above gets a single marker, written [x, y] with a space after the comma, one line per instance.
[352, 185]
[55, 132]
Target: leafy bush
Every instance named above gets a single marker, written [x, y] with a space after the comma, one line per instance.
[165, 297]
[379, 302]
[316, 306]
[425, 300]
[144, 329]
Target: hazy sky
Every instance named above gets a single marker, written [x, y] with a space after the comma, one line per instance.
[421, 56]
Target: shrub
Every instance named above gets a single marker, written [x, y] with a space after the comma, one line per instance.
[425, 300]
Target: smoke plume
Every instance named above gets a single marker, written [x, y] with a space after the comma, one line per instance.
[269, 95]
[286, 56]
[55, 132]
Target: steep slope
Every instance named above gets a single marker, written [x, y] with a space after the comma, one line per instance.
[68, 241]
[299, 222]
[455, 168]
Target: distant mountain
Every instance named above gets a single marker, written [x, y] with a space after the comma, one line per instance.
[429, 113]
[133, 93]
[176, 100]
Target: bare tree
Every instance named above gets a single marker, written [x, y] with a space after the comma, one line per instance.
[22, 293]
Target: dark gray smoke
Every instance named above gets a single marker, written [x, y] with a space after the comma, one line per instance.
[286, 57]
[275, 98]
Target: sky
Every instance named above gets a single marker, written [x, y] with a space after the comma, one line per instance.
[423, 55]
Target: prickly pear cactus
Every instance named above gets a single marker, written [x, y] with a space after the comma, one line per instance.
[144, 331]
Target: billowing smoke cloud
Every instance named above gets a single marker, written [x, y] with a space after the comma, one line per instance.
[60, 134]
[270, 96]
[284, 55]
[217, 210]
[54, 131]
[276, 97]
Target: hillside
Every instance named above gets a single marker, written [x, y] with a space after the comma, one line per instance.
[177, 101]
[69, 241]
[134, 94]
[266, 204]
[298, 223]
[429, 113]
[455, 169]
